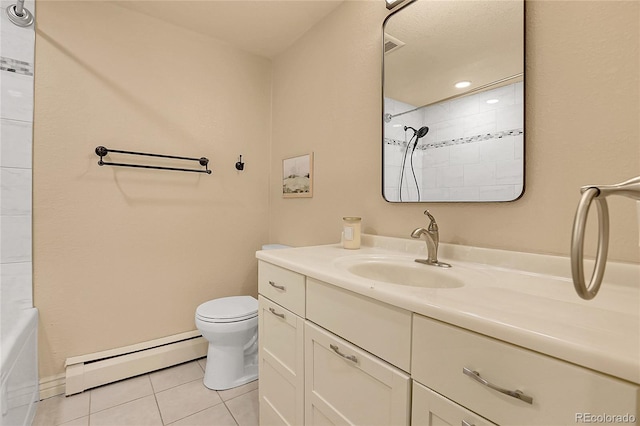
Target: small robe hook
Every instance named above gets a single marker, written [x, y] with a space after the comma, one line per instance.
[240, 164]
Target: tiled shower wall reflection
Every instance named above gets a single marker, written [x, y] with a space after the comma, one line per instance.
[455, 164]
[395, 175]
[16, 123]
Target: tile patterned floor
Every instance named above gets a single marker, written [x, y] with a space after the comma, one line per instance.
[174, 396]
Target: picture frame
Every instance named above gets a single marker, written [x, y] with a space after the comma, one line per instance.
[297, 176]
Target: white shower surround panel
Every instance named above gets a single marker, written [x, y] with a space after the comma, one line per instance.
[19, 370]
[483, 170]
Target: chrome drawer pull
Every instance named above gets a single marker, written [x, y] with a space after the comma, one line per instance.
[279, 287]
[351, 358]
[514, 394]
[273, 311]
[466, 423]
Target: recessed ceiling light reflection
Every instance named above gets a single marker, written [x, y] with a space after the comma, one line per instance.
[462, 84]
[493, 101]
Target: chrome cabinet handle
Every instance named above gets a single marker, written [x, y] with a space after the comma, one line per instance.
[466, 423]
[514, 394]
[279, 287]
[351, 358]
[273, 311]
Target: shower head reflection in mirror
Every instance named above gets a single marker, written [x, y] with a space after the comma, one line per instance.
[417, 134]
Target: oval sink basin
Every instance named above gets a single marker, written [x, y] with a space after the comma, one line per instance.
[402, 272]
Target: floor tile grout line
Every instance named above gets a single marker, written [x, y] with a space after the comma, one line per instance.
[63, 398]
[122, 403]
[240, 394]
[199, 411]
[181, 384]
[89, 415]
[153, 388]
[201, 367]
[230, 412]
[155, 398]
[174, 386]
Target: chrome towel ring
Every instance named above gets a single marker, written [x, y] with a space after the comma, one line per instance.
[597, 193]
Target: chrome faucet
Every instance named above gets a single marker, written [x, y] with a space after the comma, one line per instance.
[432, 238]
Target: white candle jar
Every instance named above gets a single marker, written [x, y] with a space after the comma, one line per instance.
[351, 227]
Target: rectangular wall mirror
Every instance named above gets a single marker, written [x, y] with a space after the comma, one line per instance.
[453, 102]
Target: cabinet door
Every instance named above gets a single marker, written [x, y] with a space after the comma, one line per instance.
[432, 409]
[346, 385]
[281, 374]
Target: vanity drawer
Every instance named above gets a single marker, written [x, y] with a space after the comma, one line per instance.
[561, 392]
[283, 286]
[432, 409]
[345, 385]
[377, 327]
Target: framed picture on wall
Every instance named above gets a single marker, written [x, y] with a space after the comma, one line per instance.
[297, 176]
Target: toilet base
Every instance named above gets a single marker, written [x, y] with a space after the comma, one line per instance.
[216, 385]
[228, 368]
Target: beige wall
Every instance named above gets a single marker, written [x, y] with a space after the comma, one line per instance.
[582, 127]
[124, 255]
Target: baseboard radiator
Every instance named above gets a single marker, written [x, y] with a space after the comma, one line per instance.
[100, 368]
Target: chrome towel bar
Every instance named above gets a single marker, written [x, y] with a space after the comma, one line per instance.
[597, 193]
[101, 151]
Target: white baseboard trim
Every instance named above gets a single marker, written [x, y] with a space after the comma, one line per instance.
[52, 386]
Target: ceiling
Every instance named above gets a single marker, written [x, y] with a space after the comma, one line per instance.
[449, 41]
[262, 27]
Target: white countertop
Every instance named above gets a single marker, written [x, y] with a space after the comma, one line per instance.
[524, 299]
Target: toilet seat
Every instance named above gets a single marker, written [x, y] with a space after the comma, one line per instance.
[228, 309]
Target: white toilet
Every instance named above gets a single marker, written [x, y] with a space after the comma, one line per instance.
[230, 324]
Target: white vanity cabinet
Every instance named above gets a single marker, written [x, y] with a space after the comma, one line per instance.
[281, 345]
[329, 355]
[544, 390]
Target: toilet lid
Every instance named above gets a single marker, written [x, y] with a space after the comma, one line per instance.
[228, 309]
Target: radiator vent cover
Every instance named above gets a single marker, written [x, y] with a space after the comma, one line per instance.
[91, 370]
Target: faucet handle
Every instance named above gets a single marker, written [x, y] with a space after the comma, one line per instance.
[433, 225]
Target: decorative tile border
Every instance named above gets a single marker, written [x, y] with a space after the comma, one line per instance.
[459, 141]
[18, 67]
